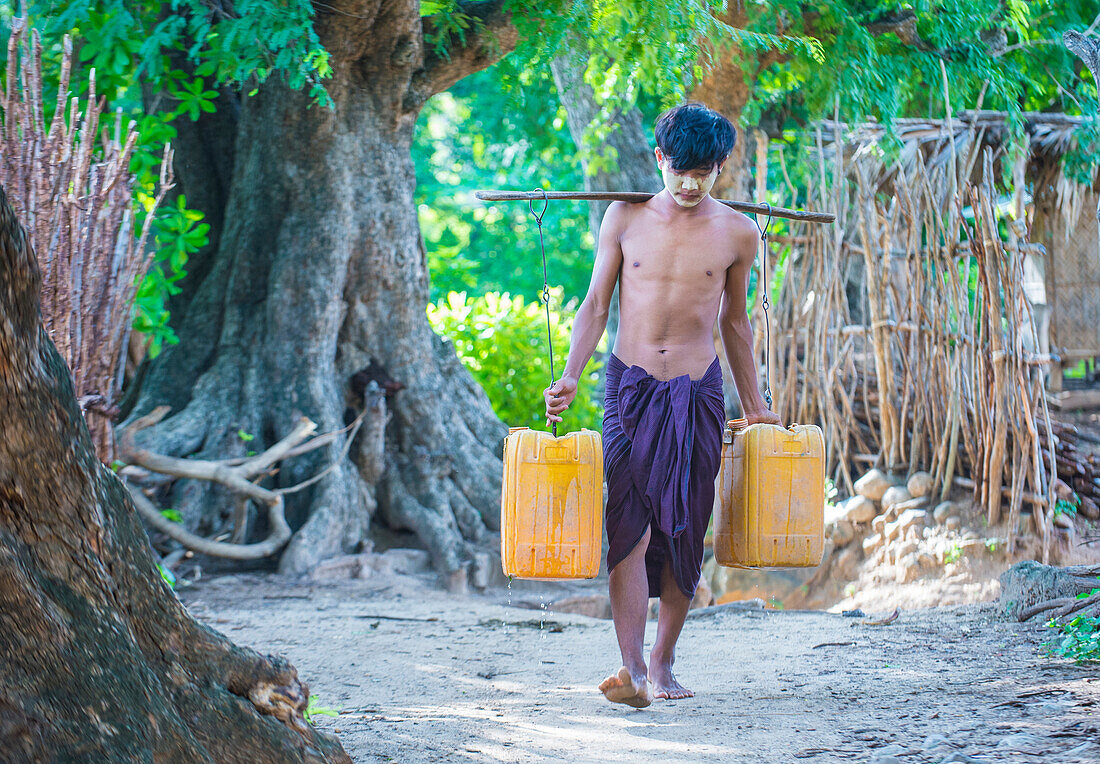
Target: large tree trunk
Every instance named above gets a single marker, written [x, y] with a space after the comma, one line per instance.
[98, 659]
[635, 165]
[725, 88]
[320, 268]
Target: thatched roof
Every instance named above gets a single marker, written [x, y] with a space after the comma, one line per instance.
[1061, 216]
[1049, 133]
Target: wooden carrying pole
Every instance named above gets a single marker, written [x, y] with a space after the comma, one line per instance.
[641, 196]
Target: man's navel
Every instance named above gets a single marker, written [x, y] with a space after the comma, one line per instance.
[709, 273]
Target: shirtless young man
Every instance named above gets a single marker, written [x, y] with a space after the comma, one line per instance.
[682, 260]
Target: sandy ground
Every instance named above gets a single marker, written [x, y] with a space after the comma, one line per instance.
[421, 675]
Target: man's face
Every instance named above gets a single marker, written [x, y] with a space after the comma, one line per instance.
[690, 187]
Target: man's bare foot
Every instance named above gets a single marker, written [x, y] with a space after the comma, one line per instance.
[624, 688]
[665, 686]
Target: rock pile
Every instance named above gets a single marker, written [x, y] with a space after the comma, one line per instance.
[890, 521]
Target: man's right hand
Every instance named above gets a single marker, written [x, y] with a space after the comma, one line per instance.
[558, 397]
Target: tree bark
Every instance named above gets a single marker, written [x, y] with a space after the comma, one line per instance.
[98, 659]
[320, 268]
[725, 89]
[635, 167]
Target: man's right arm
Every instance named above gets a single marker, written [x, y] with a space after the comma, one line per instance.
[591, 319]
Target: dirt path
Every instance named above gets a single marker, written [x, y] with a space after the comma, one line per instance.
[420, 675]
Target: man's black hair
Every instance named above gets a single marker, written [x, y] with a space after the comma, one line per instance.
[693, 137]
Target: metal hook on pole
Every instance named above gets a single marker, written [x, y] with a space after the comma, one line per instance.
[545, 203]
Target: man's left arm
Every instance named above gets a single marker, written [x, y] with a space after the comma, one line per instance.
[736, 331]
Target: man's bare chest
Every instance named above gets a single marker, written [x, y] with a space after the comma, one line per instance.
[674, 255]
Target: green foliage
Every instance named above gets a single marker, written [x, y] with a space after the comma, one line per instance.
[1080, 371]
[471, 138]
[314, 709]
[954, 552]
[1009, 50]
[1064, 507]
[1080, 637]
[172, 514]
[168, 576]
[181, 52]
[178, 233]
[502, 341]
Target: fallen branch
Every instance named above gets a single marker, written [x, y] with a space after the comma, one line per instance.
[887, 620]
[240, 477]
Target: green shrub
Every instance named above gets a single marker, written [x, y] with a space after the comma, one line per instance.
[502, 341]
[1080, 639]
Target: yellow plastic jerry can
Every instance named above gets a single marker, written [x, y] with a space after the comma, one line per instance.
[771, 489]
[551, 510]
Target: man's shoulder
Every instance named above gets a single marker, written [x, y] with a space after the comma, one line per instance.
[618, 213]
[737, 228]
[621, 217]
[732, 220]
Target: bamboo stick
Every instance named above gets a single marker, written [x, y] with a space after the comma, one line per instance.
[641, 196]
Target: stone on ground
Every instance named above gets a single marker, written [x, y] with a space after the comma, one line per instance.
[842, 533]
[873, 485]
[893, 495]
[919, 484]
[942, 511]
[860, 509]
[910, 518]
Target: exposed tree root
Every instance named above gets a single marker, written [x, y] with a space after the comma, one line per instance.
[1029, 589]
[239, 475]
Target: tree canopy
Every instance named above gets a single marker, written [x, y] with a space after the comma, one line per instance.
[878, 60]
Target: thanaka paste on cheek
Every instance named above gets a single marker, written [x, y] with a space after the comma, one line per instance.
[677, 184]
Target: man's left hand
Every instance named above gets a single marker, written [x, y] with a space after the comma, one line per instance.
[764, 417]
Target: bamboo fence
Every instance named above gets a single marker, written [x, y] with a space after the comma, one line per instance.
[70, 184]
[902, 329]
